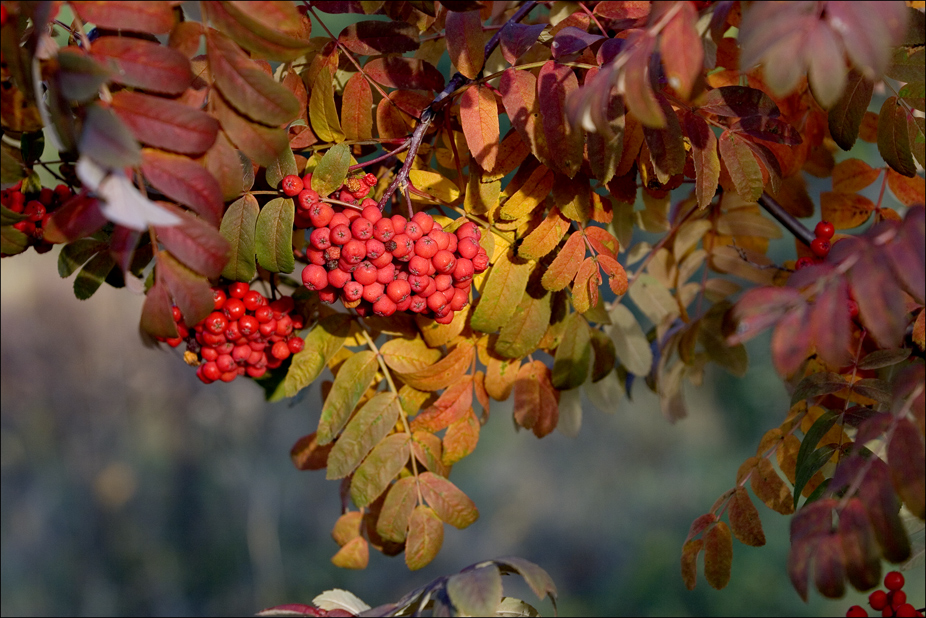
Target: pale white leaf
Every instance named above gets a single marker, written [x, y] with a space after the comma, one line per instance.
[121, 202]
[340, 599]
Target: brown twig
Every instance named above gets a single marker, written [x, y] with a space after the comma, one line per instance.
[786, 219]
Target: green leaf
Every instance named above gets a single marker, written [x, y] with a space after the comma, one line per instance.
[742, 165]
[630, 344]
[11, 165]
[285, 165]
[451, 505]
[376, 472]
[816, 385]
[331, 171]
[809, 458]
[92, 275]
[574, 354]
[845, 117]
[501, 294]
[425, 537]
[653, 299]
[523, 332]
[367, 428]
[239, 227]
[275, 235]
[76, 254]
[476, 592]
[323, 114]
[353, 379]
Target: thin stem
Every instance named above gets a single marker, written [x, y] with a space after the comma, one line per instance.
[786, 219]
[382, 157]
[594, 18]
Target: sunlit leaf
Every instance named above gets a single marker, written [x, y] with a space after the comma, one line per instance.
[503, 290]
[182, 179]
[554, 84]
[464, 42]
[323, 113]
[143, 64]
[357, 108]
[443, 373]
[274, 235]
[353, 379]
[566, 264]
[536, 402]
[528, 195]
[166, 124]
[522, 333]
[365, 430]
[191, 291]
[425, 537]
[479, 118]
[434, 185]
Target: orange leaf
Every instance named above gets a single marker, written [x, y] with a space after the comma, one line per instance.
[617, 276]
[347, 527]
[450, 407]
[602, 240]
[853, 175]
[638, 90]
[357, 109]
[354, 555]
[908, 191]
[501, 374]
[479, 118]
[425, 537]
[690, 551]
[519, 96]
[845, 210]
[564, 268]
[545, 236]
[308, 455]
[768, 486]
[451, 505]
[681, 50]
[443, 373]
[465, 42]
[461, 439]
[585, 287]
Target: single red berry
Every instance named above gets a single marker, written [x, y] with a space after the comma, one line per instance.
[209, 353]
[437, 302]
[382, 261]
[898, 598]
[443, 261]
[441, 238]
[398, 291]
[804, 262]
[265, 313]
[218, 298]
[26, 227]
[419, 304]
[419, 265]
[375, 249]
[361, 228]
[468, 230]
[460, 299]
[321, 214]
[464, 269]
[894, 580]
[225, 362]
[365, 274]
[371, 211]
[339, 218]
[856, 611]
[906, 611]
[46, 197]
[328, 295]
[253, 299]
[320, 238]
[878, 600]
[35, 210]
[307, 179]
[352, 291]
[234, 308]
[384, 306]
[383, 230]
[481, 261]
[468, 248]
[354, 251]
[443, 282]
[314, 277]
[370, 180]
[216, 323]
[256, 372]
[820, 247]
[419, 283]
[280, 350]
[296, 344]
[333, 253]
[413, 230]
[337, 278]
[398, 223]
[444, 318]
[404, 245]
[232, 332]
[238, 289]
[248, 325]
[403, 305]
[211, 371]
[424, 220]
[284, 326]
[426, 247]
[824, 230]
[241, 353]
[292, 185]
[176, 313]
[373, 292]
[385, 274]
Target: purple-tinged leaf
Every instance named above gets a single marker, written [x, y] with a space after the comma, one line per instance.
[195, 243]
[739, 102]
[681, 50]
[907, 460]
[894, 137]
[476, 592]
[638, 89]
[464, 42]
[408, 73]
[554, 84]
[80, 216]
[182, 179]
[191, 292]
[166, 124]
[152, 17]
[791, 340]
[156, 316]
[830, 323]
[907, 254]
[571, 40]
[880, 301]
[515, 39]
[371, 38]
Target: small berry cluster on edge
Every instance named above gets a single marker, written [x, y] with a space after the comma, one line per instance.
[890, 603]
[36, 209]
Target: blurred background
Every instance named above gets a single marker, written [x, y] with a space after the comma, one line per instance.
[127, 487]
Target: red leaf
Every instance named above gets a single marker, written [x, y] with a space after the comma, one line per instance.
[270, 30]
[464, 42]
[479, 118]
[791, 341]
[451, 406]
[156, 316]
[880, 301]
[602, 240]
[195, 243]
[262, 144]
[80, 216]
[163, 123]
[191, 292]
[243, 84]
[150, 16]
[554, 84]
[451, 505]
[830, 323]
[681, 50]
[409, 73]
[185, 181]
[638, 90]
[145, 65]
[370, 38]
[767, 128]
[519, 96]
[666, 146]
[908, 253]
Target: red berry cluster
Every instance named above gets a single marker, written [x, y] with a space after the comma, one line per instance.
[381, 265]
[890, 603]
[245, 335]
[37, 208]
[820, 246]
[352, 191]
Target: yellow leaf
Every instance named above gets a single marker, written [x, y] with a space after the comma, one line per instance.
[434, 185]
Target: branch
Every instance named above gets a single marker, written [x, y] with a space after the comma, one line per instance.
[786, 219]
[427, 115]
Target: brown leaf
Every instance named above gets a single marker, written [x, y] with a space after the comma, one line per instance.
[501, 374]
[191, 292]
[690, 551]
[517, 38]
[906, 456]
[262, 144]
[845, 210]
[357, 108]
[425, 537]
[863, 560]
[768, 486]
[681, 50]
[718, 555]
[536, 402]
[845, 117]
[371, 38]
[741, 165]
[308, 455]
[853, 175]
[704, 156]
[744, 519]
[354, 555]
[894, 137]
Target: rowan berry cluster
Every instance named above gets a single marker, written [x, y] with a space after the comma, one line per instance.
[820, 246]
[245, 334]
[36, 208]
[353, 190]
[380, 265]
[890, 603]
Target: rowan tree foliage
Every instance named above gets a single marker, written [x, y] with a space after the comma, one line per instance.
[293, 200]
